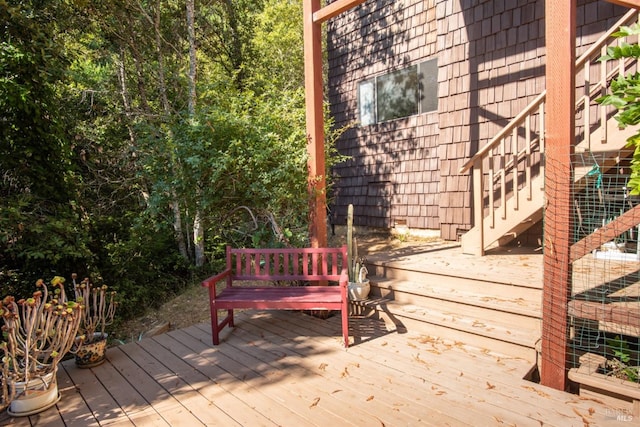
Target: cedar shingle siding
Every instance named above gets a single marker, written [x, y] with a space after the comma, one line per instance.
[491, 62]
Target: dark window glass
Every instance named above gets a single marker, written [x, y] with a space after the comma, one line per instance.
[428, 73]
[397, 94]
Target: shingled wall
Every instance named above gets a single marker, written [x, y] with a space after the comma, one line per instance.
[491, 60]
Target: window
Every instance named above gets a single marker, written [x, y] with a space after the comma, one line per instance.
[401, 93]
[397, 94]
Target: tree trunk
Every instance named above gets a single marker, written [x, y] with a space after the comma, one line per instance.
[125, 95]
[177, 228]
[192, 56]
[198, 226]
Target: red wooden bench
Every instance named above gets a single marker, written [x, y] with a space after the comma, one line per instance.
[270, 265]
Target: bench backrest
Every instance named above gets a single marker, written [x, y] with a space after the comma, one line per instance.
[288, 263]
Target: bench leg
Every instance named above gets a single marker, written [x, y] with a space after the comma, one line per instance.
[345, 326]
[217, 326]
[215, 329]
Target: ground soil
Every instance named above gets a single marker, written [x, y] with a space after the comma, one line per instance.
[192, 305]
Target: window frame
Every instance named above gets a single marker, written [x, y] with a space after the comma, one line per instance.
[370, 93]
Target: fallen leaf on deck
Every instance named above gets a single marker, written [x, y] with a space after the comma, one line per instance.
[424, 339]
[539, 392]
[315, 402]
[593, 399]
[417, 359]
[585, 421]
[369, 398]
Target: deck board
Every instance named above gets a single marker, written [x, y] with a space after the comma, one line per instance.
[459, 376]
[287, 368]
[316, 389]
[195, 371]
[241, 367]
[142, 371]
[412, 373]
[73, 409]
[388, 408]
[98, 399]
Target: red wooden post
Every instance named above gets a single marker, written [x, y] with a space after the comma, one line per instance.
[315, 125]
[560, 38]
[313, 18]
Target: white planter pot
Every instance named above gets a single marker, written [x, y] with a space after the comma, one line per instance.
[358, 291]
[613, 247]
[34, 396]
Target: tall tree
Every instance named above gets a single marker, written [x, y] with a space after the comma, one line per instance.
[39, 226]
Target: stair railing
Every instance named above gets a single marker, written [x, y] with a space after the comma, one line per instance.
[505, 167]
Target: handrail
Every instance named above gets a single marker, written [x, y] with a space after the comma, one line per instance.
[580, 62]
[504, 132]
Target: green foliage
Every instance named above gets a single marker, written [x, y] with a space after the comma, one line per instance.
[278, 44]
[620, 366]
[99, 154]
[248, 151]
[34, 149]
[624, 95]
[40, 228]
[143, 266]
[232, 25]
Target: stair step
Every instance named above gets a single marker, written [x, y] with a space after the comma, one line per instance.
[504, 266]
[470, 324]
[498, 338]
[492, 302]
[492, 296]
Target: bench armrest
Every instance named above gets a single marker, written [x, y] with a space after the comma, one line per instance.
[211, 281]
[344, 278]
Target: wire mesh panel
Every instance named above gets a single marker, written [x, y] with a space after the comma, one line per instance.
[604, 306]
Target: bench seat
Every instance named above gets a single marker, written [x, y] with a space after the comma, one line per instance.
[293, 297]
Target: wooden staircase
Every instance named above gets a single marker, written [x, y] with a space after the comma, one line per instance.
[490, 302]
[508, 172]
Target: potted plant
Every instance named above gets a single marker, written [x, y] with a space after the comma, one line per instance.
[100, 307]
[358, 287]
[38, 332]
[4, 375]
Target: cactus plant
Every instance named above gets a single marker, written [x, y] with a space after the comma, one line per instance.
[37, 333]
[357, 270]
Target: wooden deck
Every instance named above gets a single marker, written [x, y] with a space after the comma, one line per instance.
[289, 369]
